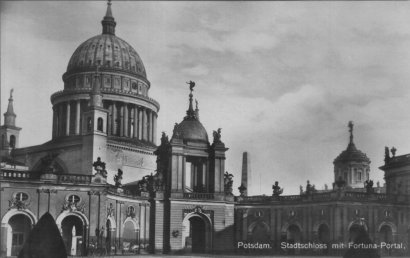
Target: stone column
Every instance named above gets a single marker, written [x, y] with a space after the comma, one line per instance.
[140, 116]
[114, 118]
[144, 124]
[121, 123]
[135, 122]
[60, 119]
[154, 129]
[149, 126]
[109, 119]
[77, 117]
[54, 122]
[67, 124]
[126, 120]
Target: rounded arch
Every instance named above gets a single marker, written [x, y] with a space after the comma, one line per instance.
[357, 222]
[317, 225]
[133, 221]
[113, 224]
[387, 223]
[13, 212]
[287, 225]
[255, 223]
[58, 164]
[65, 214]
[186, 223]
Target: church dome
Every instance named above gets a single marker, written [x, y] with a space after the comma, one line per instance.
[351, 153]
[192, 130]
[108, 51]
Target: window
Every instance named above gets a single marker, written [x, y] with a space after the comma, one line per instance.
[108, 63]
[73, 198]
[20, 196]
[12, 141]
[89, 124]
[100, 124]
[134, 86]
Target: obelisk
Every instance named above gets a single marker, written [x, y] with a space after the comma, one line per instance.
[246, 172]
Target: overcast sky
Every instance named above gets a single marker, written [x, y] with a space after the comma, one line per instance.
[282, 79]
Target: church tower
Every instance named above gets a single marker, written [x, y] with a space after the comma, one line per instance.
[9, 131]
[94, 128]
[352, 165]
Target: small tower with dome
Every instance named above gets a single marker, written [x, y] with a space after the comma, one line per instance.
[352, 165]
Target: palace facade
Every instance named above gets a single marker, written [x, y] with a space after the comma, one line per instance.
[173, 196]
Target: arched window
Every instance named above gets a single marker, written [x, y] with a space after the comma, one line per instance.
[12, 141]
[100, 124]
[89, 124]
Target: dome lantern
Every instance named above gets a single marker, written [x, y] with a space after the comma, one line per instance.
[108, 22]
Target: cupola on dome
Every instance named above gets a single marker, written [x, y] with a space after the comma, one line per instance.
[351, 154]
[108, 51]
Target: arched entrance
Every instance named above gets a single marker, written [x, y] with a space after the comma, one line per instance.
[259, 232]
[130, 236]
[73, 231]
[18, 231]
[16, 226]
[324, 233]
[386, 234]
[73, 227]
[356, 232]
[293, 235]
[196, 233]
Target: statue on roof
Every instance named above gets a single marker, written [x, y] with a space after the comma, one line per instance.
[11, 93]
[175, 132]
[393, 152]
[118, 178]
[386, 155]
[368, 184]
[191, 85]
[228, 182]
[217, 135]
[277, 190]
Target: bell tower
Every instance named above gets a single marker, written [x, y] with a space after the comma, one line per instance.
[94, 127]
[9, 131]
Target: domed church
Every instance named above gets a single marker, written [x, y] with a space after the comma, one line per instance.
[113, 189]
[124, 134]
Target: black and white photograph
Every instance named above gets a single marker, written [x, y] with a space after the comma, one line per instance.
[204, 129]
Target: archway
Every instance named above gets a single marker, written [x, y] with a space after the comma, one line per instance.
[356, 231]
[129, 236]
[16, 225]
[324, 233]
[197, 233]
[293, 235]
[386, 234]
[259, 232]
[19, 227]
[73, 233]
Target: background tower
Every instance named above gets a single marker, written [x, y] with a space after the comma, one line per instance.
[9, 131]
[352, 165]
[246, 175]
